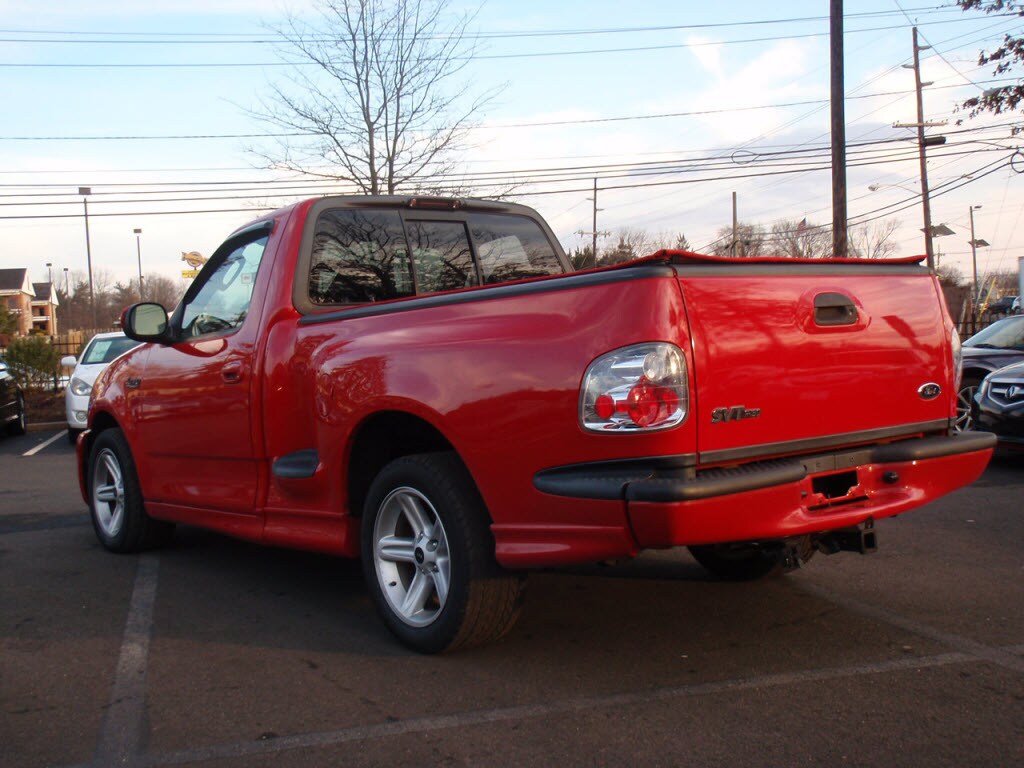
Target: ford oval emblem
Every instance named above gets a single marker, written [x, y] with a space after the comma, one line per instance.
[929, 391]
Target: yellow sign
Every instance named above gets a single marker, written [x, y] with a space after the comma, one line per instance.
[190, 273]
[194, 259]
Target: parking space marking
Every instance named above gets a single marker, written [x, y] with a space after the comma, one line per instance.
[40, 447]
[121, 733]
[1001, 656]
[530, 711]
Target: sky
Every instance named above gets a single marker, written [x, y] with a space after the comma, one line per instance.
[673, 107]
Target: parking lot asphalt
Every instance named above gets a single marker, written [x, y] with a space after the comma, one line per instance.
[216, 652]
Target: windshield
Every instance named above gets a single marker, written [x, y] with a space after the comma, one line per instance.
[105, 350]
[1004, 334]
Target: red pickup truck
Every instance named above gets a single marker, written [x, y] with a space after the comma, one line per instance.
[426, 384]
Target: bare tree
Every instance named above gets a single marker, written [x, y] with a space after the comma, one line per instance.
[874, 240]
[799, 240]
[386, 110]
[163, 290]
[750, 240]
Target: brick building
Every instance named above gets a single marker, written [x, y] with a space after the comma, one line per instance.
[33, 304]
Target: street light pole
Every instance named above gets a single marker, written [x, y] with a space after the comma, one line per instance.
[974, 257]
[85, 192]
[138, 250]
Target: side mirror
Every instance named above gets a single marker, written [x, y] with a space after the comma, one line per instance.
[68, 361]
[146, 322]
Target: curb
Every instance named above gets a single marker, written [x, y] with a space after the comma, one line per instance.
[46, 426]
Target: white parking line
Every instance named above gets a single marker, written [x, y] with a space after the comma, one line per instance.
[40, 447]
[122, 730]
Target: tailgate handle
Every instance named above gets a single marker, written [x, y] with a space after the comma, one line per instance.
[834, 309]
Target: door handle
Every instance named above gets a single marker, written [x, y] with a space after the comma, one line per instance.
[834, 309]
[231, 372]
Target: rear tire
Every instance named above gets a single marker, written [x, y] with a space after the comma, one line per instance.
[428, 557]
[20, 425]
[748, 561]
[115, 498]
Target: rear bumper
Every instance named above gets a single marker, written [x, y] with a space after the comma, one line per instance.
[671, 503]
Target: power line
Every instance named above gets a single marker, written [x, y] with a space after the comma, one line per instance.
[260, 37]
[498, 126]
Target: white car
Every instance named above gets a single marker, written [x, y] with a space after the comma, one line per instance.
[100, 352]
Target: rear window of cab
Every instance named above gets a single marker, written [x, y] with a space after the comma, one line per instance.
[374, 255]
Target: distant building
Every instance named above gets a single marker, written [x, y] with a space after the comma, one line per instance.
[44, 308]
[17, 292]
[33, 304]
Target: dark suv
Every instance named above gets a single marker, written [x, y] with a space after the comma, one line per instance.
[999, 345]
[12, 403]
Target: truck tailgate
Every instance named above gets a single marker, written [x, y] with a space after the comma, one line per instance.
[794, 356]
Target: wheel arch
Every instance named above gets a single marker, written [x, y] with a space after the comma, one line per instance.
[975, 372]
[380, 439]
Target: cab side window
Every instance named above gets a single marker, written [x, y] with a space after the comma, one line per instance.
[359, 256]
[222, 303]
[511, 248]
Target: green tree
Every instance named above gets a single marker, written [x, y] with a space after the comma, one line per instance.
[8, 320]
[582, 258]
[1003, 98]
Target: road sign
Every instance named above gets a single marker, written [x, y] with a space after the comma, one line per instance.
[190, 273]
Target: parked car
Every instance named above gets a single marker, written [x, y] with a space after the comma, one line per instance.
[1015, 309]
[990, 349]
[1003, 305]
[999, 405]
[13, 417]
[101, 351]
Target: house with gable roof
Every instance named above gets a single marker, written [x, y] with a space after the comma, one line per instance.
[33, 304]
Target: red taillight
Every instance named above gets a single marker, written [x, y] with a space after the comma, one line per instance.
[604, 406]
[635, 388]
[649, 405]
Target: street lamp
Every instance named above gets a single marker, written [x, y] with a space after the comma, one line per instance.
[975, 245]
[85, 192]
[67, 283]
[138, 250]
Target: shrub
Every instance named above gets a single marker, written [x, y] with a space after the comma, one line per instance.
[33, 360]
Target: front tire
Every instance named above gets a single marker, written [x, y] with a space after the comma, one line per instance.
[964, 402]
[115, 498]
[428, 557]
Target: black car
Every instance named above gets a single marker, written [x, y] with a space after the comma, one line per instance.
[12, 403]
[999, 405]
[1003, 305]
[990, 349]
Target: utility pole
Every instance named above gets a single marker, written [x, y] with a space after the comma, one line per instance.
[922, 142]
[594, 232]
[735, 228]
[838, 98]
